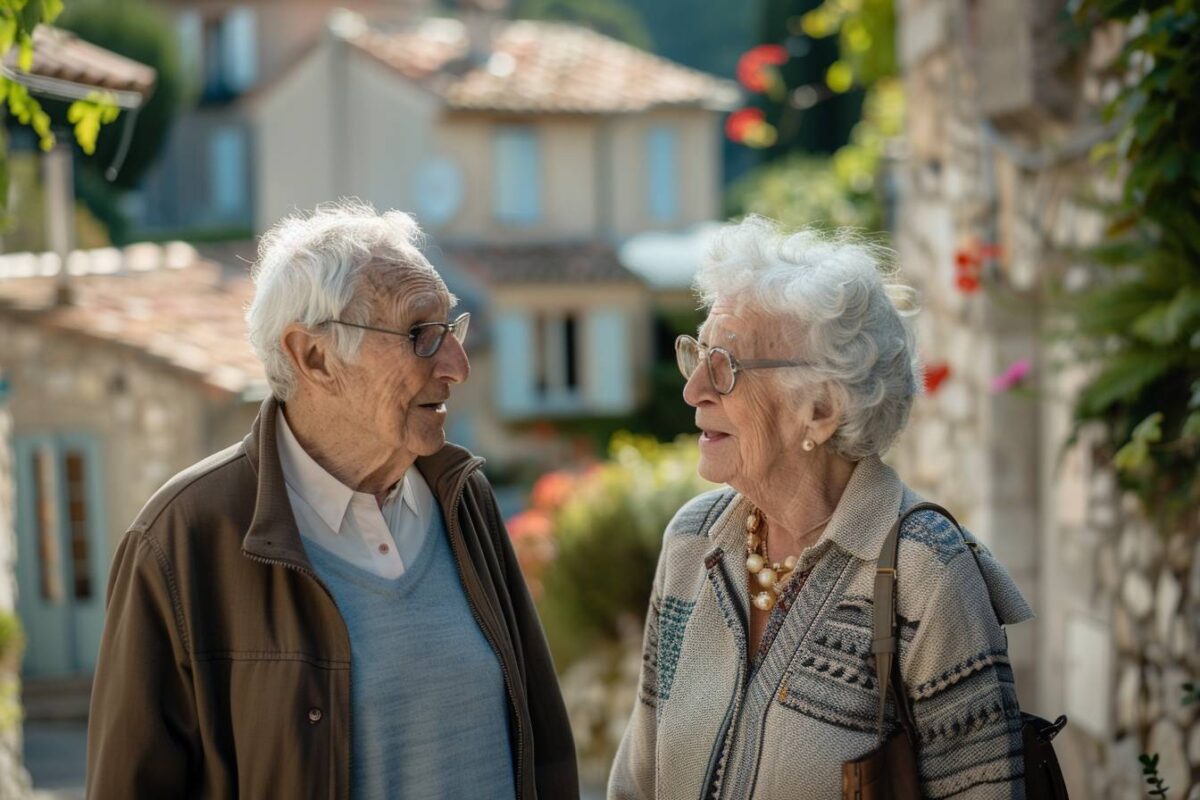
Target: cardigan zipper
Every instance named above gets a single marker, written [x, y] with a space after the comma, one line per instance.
[455, 534]
[306, 571]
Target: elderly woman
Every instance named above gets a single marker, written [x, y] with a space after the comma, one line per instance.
[758, 678]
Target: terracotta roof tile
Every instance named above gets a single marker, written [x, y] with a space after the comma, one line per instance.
[541, 263]
[541, 67]
[181, 311]
[64, 56]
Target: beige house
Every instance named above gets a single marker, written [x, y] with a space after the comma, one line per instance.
[226, 48]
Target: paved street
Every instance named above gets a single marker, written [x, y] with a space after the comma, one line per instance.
[56, 755]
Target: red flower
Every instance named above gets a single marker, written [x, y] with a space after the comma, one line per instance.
[752, 68]
[740, 122]
[532, 524]
[551, 490]
[935, 374]
[967, 284]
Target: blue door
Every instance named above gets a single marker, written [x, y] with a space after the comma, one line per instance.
[61, 557]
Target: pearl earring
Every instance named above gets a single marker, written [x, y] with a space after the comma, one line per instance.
[809, 445]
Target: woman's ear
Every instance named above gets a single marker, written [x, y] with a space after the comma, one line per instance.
[826, 414]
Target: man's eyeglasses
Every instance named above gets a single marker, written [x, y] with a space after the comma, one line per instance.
[426, 337]
[723, 368]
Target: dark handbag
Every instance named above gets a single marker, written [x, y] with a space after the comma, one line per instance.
[889, 772]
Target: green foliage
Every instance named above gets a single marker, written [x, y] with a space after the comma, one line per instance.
[88, 114]
[611, 17]
[27, 229]
[1140, 320]
[607, 537]
[136, 30]
[18, 19]
[1150, 772]
[839, 191]
[12, 639]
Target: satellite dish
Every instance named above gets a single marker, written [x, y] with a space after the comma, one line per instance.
[437, 190]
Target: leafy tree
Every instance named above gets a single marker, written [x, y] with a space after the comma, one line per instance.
[1140, 319]
[18, 19]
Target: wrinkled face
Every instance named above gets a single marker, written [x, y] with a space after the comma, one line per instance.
[389, 393]
[758, 428]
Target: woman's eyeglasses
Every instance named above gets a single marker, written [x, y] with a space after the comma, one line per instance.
[723, 368]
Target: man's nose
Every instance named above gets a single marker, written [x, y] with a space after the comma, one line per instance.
[451, 363]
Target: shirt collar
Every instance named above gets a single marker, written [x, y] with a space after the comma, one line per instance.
[328, 496]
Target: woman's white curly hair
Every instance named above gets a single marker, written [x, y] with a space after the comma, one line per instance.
[839, 298]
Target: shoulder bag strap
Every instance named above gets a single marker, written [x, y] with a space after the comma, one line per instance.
[885, 632]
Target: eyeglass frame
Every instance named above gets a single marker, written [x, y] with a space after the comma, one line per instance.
[463, 319]
[735, 365]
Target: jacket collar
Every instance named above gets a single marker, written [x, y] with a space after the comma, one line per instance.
[273, 532]
[869, 506]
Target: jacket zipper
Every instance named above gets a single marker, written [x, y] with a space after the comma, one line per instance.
[720, 754]
[452, 523]
[350, 708]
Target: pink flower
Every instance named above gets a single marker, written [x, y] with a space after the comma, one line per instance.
[1013, 376]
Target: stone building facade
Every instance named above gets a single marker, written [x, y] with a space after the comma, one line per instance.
[143, 371]
[1002, 117]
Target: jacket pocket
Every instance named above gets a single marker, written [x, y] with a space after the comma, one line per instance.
[281, 724]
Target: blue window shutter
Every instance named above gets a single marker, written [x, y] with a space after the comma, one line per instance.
[190, 30]
[228, 165]
[662, 173]
[239, 36]
[609, 360]
[516, 176]
[513, 363]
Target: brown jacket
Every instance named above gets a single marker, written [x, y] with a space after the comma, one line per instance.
[224, 669]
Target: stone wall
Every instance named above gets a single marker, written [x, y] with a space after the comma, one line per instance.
[14, 780]
[997, 156]
[151, 420]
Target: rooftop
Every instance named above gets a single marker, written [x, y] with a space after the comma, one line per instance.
[163, 301]
[61, 56]
[533, 66]
[572, 263]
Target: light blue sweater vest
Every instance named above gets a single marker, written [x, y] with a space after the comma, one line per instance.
[429, 710]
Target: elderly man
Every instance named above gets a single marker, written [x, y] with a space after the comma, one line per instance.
[331, 608]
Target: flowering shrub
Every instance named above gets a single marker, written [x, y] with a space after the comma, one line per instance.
[589, 542]
[588, 545]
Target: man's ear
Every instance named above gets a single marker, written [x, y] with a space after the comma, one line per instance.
[310, 355]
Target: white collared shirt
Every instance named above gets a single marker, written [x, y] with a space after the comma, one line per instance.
[351, 524]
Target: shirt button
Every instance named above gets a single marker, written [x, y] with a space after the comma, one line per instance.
[383, 548]
[314, 715]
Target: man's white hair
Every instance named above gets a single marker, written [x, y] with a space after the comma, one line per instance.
[839, 299]
[310, 268]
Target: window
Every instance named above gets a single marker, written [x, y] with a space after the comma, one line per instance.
[228, 50]
[516, 176]
[42, 475]
[557, 361]
[662, 173]
[78, 520]
[228, 166]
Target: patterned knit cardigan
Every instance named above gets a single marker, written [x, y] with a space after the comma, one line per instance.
[708, 726]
